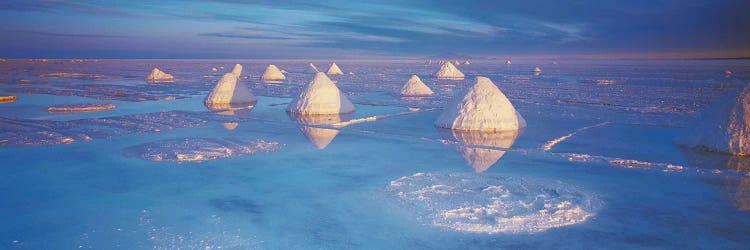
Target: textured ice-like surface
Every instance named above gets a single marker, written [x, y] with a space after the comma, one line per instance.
[24, 132]
[199, 149]
[494, 204]
[82, 107]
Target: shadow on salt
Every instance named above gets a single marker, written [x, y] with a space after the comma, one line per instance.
[737, 187]
[493, 204]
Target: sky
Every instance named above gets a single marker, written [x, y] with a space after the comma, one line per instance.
[374, 29]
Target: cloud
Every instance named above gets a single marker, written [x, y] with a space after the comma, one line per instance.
[78, 35]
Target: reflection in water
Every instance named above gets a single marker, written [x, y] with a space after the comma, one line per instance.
[312, 126]
[480, 149]
[231, 110]
[738, 187]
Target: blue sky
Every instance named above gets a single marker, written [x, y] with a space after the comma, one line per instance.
[372, 29]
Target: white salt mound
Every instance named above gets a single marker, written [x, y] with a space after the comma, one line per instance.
[229, 91]
[321, 97]
[483, 108]
[335, 70]
[466, 62]
[214, 69]
[312, 69]
[159, 76]
[508, 62]
[273, 73]
[724, 126]
[537, 69]
[415, 87]
[237, 70]
[448, 71]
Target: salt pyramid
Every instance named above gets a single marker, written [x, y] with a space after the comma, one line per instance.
[466, 62]
[312, 69]
[310, 125]
[237, 70]
[214, 69]
[273, 73]
[335, 70]
[415, 87]
[483, 108]
[448, 71]
[724, 126]
[508, 62]
[481, 149]
[537, 69]
[455, 62]
[230, 93]
[159, 76]
[321, 97]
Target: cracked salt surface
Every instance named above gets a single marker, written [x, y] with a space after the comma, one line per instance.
[494, 204]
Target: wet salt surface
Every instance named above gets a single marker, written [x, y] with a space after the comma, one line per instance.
[616, 180]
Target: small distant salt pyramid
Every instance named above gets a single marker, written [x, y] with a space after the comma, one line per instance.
[214, 69]
[334, 70]
[448, 71]
[723, 127]
[466, 62]
[229, 92]
[159, 76]
[428, 62]
[415, 87]
[273, 73]
[312, 69]
[537, 69]
[321, 97]
[727, 73]
[455, 62]
[483, 108]
[237, 70]
[508, 62]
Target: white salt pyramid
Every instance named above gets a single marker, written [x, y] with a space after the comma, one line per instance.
[508, 62]
[466, 62]
[335, 70]
[415, 87]
[724, 126]
[537, 69]
[214, 69]
[455, 62]
[273, 73]
[448, 71]
[312, 69]
[237, 70]
[321, 97]
[229, 92]
[159, 76]
[481, 149]
[483, 108]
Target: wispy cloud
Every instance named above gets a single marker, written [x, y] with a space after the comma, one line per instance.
[79, 35]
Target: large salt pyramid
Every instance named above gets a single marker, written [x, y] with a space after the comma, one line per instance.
[321, 97]
[159, 76]
[724, 126]
[335, 70]
[230, 93]
[483, 108]
[415, 87]
[273, 73]
[237, 70]
[448, 71]
[481, 149]
[312, 69]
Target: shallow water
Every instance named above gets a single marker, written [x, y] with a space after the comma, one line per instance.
[129, 178]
